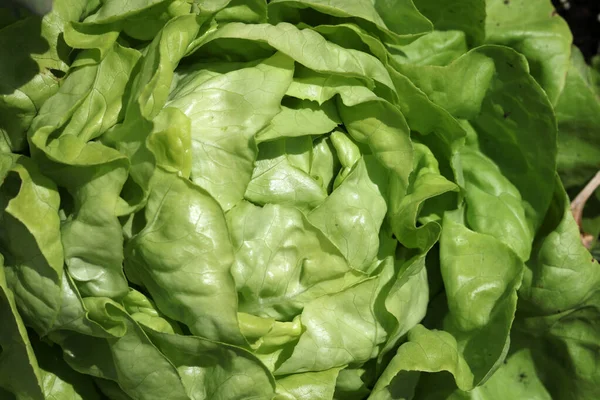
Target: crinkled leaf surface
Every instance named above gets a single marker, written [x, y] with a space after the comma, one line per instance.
[295, 200]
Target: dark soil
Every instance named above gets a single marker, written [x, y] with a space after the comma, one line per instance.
[583, 18]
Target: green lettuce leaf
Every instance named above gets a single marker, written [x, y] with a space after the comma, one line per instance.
[309, 385]
[30, 240]
[35, 44]
[238, 104]
[279, 256]
[128, 358]
[578, 116]
[295, 200]
[352, 215]
[282, 175]
[468, 16]
[183, 256]
[400, 22]
[214, 371]
[19, 371]
[534, 29]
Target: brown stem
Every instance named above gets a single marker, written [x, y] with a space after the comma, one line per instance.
[578, 204]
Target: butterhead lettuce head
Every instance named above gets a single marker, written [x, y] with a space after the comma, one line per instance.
[290, 200]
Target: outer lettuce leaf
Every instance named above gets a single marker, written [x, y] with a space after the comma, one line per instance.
[59, 381]
[105, 83]
[578, 116]
[441, 132]
[502, 120]
[315, 52]
[473, 333]
[534, 29]
[19, 371]
[557, 265]
[51, 379]
[44, 293]
[93, 239]
[481, 303]
[519, 134]
[468, 16]
[428, 351]
[92, 173]
[352, 36]
[559, 306]
[128, 358]
[516, 377]
[555, 335]
[436, 48]
[30, 240]
[36, 46]
[400, 22]
[481, 306]
[145, 118]
[113, 10]
[214, 371]
[90, 100]
[152, 84]
[463, 100]
[208, 370]
[494, 205]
